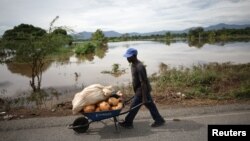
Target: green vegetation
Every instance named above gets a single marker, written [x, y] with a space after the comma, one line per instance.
[23, 32]
[98, 40]
[84, 48]
[221, 34]
[196, 37]
[115, 68]
[213, 81]
[116, 71]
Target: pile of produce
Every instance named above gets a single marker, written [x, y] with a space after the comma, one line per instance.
[111, 103]
[90, 96]
[96, 97]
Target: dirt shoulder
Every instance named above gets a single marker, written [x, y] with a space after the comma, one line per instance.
[64, 108]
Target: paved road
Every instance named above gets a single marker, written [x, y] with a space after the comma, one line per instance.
[191, 127]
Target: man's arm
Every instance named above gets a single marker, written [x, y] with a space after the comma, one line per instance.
[143, 80]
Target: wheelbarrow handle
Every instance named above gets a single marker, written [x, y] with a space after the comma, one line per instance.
[126, 101]
[134, 108]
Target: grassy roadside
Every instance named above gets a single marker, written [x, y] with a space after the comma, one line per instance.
[211, 81]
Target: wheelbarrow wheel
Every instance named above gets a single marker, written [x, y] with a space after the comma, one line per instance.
[83, 124]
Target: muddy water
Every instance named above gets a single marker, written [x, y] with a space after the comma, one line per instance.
[72, 74]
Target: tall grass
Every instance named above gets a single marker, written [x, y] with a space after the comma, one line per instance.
[215, 81]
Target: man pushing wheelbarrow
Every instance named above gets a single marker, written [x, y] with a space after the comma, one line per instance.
[142, 89]
[97, 102]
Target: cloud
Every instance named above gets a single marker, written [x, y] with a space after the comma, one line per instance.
[123, 15]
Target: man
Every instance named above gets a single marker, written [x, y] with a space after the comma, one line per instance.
[142, 89]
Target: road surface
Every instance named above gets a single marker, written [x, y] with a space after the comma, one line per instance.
[192, 126]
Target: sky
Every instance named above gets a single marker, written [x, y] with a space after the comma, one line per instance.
[123, 16]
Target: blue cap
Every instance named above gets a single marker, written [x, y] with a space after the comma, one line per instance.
[130, 52]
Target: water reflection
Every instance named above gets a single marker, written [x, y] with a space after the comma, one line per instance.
[200, 43]
[24, 68]
[41, 98]
[100, 52]
[87, 57]
[62, 58]
[49, 98]
[196, 43]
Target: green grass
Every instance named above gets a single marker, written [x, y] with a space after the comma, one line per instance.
[214, 81]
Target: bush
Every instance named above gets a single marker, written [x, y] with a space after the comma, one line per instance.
[87, 48]
[242, 93]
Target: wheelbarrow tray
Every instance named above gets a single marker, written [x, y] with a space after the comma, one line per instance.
[97, 116]
[81, 124]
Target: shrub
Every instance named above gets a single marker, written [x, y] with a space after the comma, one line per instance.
[87, 48]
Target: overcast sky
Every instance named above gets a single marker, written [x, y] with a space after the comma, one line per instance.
[123, 15]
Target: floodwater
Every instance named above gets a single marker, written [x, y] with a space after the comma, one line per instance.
[74, 72]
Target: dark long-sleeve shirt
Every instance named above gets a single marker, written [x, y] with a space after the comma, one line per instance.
[139, 76]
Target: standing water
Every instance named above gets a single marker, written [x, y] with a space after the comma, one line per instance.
[77, 72]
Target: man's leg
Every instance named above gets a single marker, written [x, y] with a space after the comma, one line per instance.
[131, 115]
[154, 111]
[128, 123]
[159, 120]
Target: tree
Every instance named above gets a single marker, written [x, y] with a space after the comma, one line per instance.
[28, 48]
[211, 36]
[23, 32]
[125, 37]
[32, 45]
[99, 38]
[168, 35]
[196, 33]
[60, 31]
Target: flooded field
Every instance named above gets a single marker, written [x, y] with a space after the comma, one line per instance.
[73, 73]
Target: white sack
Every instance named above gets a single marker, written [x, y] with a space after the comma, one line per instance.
[90, 95]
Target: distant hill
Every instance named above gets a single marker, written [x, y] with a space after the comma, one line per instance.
[82, 35]
[112, 34]
[226, 26]
[87, 35]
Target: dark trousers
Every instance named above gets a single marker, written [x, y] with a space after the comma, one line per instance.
[150, 106]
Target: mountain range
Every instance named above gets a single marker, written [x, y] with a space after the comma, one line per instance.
[87, 35]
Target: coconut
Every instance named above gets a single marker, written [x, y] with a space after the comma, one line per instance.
[89, 108]
[113, 101]
[104, 106]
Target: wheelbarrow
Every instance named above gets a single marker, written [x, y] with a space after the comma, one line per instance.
[81, 124]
